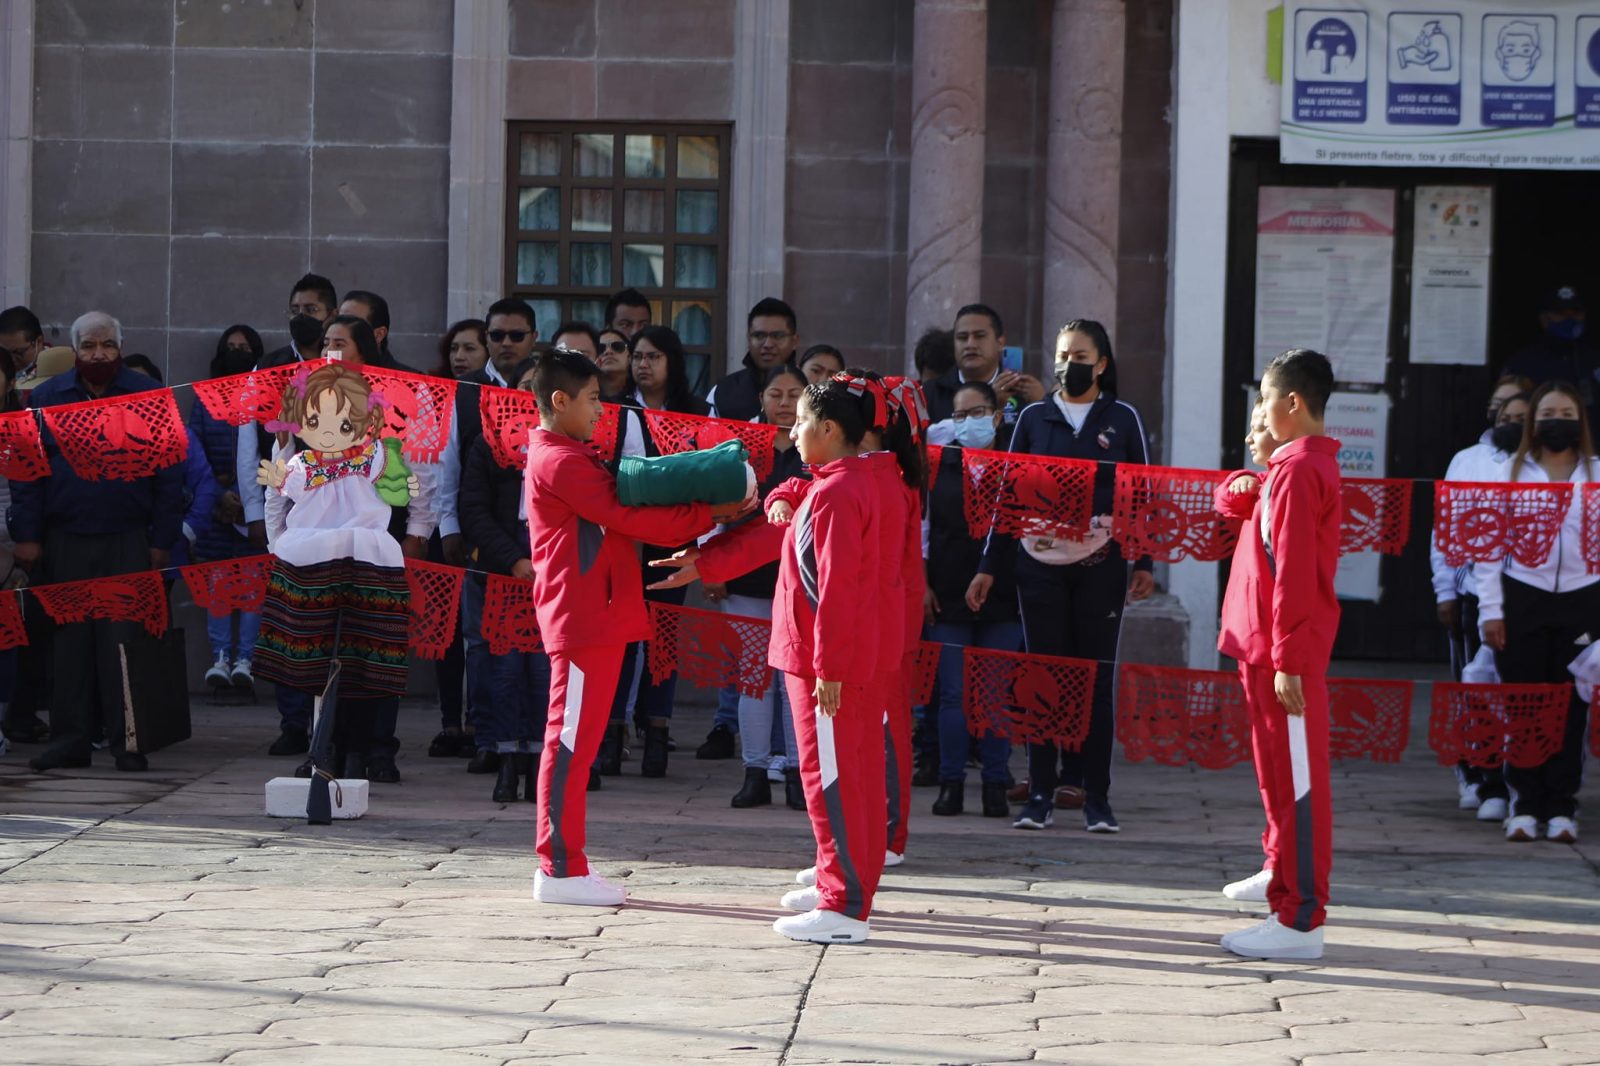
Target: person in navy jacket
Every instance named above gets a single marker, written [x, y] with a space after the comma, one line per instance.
[1072, 593]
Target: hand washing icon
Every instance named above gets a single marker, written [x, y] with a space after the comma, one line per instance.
[1431, 49]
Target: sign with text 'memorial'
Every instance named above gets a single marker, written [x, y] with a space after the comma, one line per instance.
[1451, 83]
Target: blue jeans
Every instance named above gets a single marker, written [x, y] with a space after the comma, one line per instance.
[475, 651]
[993, 752]
[220, 632]
[766, 726]
[728, 709]
[513, 719]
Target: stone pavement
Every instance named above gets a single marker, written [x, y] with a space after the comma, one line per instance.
[163, 919]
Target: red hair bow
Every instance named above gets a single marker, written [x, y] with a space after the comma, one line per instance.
[906, 395]
[865, 386]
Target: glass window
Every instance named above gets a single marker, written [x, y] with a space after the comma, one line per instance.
[538, 263]
[591, 265]
[646, 156]
[694, 266]
[692, 320]
[643, 210]
[697, 210]
[541, 155]
[591, 210]
[539, 208]
[590, 311]
[642, 265]
[591, 155]
[698, 158]
[547, 315]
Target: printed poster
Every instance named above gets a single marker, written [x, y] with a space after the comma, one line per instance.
[1324, 274]
[1359, 421]
[1457, 83]
[1450, 275]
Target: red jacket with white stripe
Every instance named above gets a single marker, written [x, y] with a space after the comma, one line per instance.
[1280, 610]
[586, 584]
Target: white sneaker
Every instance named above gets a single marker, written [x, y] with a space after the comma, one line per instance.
[893, 858]
[1493, 809]
[801, 900]
[1228, 938]
[1252, 889]
[1468, 795]
[241, 675]
[590, 890]
[1522, 828]
[1562, 830]
[219, 676]
[1271, 940]
[822, 927]
[808, 876]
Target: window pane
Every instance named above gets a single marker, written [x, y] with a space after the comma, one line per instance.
[539, 208]
[591, 265]
[591, 155]
[547, 313]
[692, 320]
[643, 210]
[541, 155]
[646, 156]
[641, 264]
[694, 266]
[697, 157]
[591, 210]
[697, 211]
[590, 311]
[538, 263]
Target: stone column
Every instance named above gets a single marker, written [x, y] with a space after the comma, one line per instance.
[1083, 171]
[477, 158]
[944, 238]
[16, 149]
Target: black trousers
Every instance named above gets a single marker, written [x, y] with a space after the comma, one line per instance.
[1076, 611]
[1542, 633]
[86, 669]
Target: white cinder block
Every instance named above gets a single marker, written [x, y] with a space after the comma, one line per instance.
[286, 797]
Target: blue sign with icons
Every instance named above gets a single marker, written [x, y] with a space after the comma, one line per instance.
[1518, 70]
[1424, 60]
[1586, 69]
[1330, 66]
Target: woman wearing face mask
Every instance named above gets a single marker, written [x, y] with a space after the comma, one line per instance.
[1534, 617]
[953, 554]
[1072, 592]
[1478, 789]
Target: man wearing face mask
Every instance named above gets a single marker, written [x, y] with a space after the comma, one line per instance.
[69, 528]
[1564, 350]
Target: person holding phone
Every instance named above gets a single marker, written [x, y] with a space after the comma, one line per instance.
[980, 344]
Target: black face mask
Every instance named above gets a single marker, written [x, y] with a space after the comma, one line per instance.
[305, 331]
[1506, 437]
[1076, 378]
[237, 361]
[1556, 434]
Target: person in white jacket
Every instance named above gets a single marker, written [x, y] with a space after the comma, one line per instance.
[1539, 618]
[1478, 789]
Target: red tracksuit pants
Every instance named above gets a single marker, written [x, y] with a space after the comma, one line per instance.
[842, 771]
[897, 739]
[1291, 755]
[583, 682]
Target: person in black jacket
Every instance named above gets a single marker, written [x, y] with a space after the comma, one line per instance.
[773, 335]
[1072, 593]
[953, 557]
[980, 341]
[509, 714]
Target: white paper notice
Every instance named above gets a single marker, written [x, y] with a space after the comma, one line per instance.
[1324, 273]
[1450, 275]
[1359, 421]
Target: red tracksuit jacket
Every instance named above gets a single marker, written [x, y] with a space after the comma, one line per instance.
[1280, 610]
[586, 584]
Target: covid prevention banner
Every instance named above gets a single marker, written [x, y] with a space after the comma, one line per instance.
[1449, 83]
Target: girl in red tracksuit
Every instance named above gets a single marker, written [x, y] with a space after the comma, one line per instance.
[1279, 618]
[589, 605]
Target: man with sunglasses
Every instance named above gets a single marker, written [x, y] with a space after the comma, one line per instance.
[512, 333]
[773, 339]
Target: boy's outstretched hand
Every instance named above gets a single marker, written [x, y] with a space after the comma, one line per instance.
[684, 570]
[1244, 484]
[780, 513]
[1290, 694]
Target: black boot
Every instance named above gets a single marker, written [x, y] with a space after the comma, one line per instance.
[484, 761]
[951, 797]
[756, 790]
[528, 767]
[354, 766]
[925, 773]
[505, 785]
[994, 800]
[609, 761]
[654, 761]
[594, 781]
[794, 792]
[718, 744]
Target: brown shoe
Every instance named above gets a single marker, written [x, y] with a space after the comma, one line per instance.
[1069, 798]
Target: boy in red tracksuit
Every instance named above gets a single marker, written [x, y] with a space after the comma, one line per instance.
[589, 603]
[1279, 618]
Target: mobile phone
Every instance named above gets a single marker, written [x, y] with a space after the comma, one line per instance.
[1011, 358]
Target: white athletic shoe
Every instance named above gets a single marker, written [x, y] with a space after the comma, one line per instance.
[590, 890]
[801, 900]
[1562, 830]
[1522, 828]
[220, 675]
[822, 927]
[1252, 889]
[1493, 809]
[1468, 798]
[808, 876]
[893, 858]
[1270, 940]
[1228, 938]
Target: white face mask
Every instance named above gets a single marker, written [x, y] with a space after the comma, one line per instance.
[975, 432]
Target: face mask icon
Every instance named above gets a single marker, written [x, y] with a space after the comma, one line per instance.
[1517, 50]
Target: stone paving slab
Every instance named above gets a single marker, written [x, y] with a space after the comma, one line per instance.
[163, 919]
